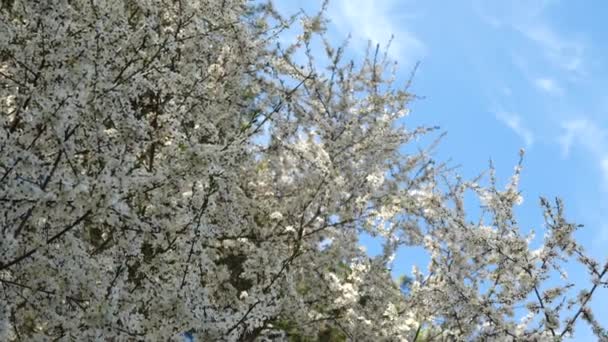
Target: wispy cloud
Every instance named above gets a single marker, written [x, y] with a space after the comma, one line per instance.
[514, 122]
[548, 85]
[508, 13]
[377, 22]
[583, 132]
[589, 136]
[565, 53]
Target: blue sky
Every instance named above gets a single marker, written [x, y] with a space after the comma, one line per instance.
[498, 76]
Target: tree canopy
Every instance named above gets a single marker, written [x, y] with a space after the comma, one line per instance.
[171, 167]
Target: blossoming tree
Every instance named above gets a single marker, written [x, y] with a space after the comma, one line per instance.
[169, 166]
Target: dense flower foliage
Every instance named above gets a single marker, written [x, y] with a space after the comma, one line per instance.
[171, 166]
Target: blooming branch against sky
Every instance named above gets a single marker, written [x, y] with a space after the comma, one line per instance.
[498, 76]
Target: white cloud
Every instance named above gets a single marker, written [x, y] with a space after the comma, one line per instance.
[514, 122]
[591, 138]
[582, 132]
[507, 13]
[548, 85]
[587, 135]
[565, 53]
[527, 17]
[377, 21]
